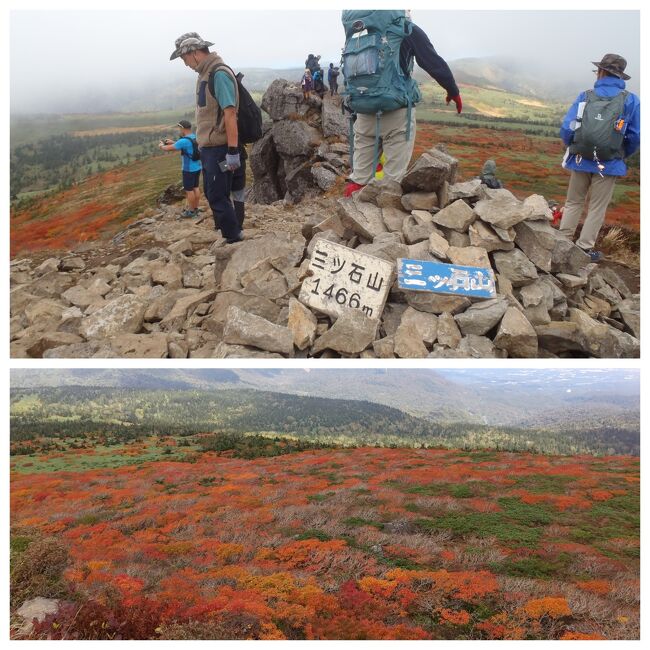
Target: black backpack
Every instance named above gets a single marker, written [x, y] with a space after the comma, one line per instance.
[249, 115]
[196, 154]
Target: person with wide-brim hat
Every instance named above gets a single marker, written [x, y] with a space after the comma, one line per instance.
[601, 129]
[217, 103]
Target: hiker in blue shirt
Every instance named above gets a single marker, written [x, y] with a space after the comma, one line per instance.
[593, 175]
[190, 165]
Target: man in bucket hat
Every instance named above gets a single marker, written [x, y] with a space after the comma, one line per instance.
[601, 130]
[217, 102]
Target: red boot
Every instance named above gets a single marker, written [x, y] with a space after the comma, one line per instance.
[351, 188]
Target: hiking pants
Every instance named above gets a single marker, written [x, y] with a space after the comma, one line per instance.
[600, 190]
[397, 149]
[217, 186]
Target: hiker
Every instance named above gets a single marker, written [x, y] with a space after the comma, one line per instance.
[319, 86]
[383, 98]
[216, 128]
[601, 130]
[312, 63]
[332, 80]
[190, 165]
[489, 175]
[306, 84]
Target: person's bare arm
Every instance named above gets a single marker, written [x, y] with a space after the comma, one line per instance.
[230, 122]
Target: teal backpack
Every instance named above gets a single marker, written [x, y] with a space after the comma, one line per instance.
[374, 80]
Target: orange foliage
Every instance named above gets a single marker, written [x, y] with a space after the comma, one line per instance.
[454, 618]
[600, 587]
[548, 606]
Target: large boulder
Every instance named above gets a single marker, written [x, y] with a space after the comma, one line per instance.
[122, 315]
[243, 328]
[430, 171]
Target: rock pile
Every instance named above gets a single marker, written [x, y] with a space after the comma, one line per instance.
[304, 148]
[164, 288]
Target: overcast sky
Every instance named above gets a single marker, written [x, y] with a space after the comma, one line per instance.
[57, 52]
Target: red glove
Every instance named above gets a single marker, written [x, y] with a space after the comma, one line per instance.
[457, 100]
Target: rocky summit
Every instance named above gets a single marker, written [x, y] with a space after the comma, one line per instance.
[172, 287]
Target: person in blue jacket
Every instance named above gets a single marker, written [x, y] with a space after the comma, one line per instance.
[592, 177]
[191, 169]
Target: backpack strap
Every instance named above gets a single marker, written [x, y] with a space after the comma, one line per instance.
[184, 137]
[377, 137]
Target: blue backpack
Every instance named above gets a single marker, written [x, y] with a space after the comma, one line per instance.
[374, 80]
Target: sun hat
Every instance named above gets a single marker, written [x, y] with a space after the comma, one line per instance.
[188, 43]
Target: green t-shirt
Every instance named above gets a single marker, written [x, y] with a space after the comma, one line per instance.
[224, 89]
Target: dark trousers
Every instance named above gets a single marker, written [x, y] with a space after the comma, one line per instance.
[217, 186]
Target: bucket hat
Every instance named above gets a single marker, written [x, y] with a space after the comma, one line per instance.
[188, 43]
[614, 64]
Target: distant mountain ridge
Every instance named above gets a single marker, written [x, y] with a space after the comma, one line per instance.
[516, 397]
[176, 92]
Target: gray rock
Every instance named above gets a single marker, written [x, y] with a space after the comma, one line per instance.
[630, 311]
[141, 346]
[394, 218]
[52, 284]
[481, 317]
[295, 138]
[284, 249]
[408, 343]
[536, 208]
[384, 348]
[226, 351]
[324, 178]
[566, 257]
[176, 317]
[483, 236]
[50, 265]
[469, 256]
[538, 240]
[502, 213]
[243, 328]
[457, 216]
[515, 266]
[123, 315]
[72, 264]
[415, 232]
[479, 347]
[36, 609]
[516, 335]
[436, 303]
[467, 190]
[40, 343]
[302, 324]
[428, 173]
[90, 350]
[561, 336]
[334, 122]
[352, 333]
[438, 245]
[364, 219]
[390, 190]
[283, 99]
[426, 324]
[419, 201]
[257, 305]
[448, 333]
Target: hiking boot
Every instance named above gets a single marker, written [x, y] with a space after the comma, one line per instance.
[351, 188]
[188, 214]
[239, 237]
[595, 256]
